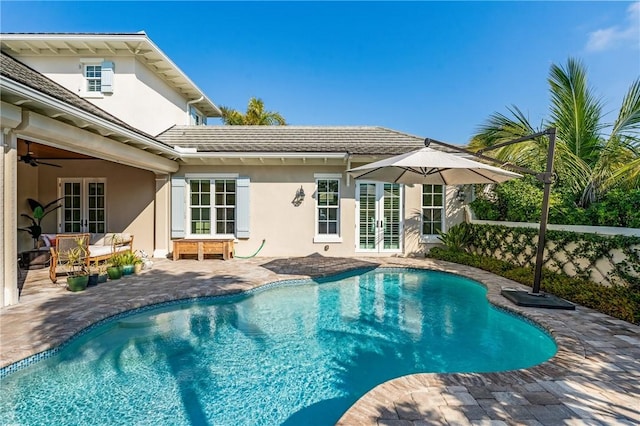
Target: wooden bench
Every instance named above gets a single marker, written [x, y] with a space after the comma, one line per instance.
[202, 248]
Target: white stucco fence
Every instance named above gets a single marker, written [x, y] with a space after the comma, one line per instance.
[601, 270]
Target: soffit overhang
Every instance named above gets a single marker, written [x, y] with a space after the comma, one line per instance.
[43, 117]
[110, 45]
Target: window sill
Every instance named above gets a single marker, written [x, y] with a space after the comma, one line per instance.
[429, 239]
[327, 239]
[92, 95]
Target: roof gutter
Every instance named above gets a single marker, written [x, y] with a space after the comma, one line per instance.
[200, 155]
[189, 103]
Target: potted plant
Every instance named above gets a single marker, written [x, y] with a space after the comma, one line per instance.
[128, 262]
[137, 263]
[38, 212]
[114, 268]
[97, 273]
[102, 273]
[77, 269]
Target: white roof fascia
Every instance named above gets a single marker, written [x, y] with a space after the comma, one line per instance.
[105, 38]
[200, 155]
[38, 96]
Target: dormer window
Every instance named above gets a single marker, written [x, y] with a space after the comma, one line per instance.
[98, 77]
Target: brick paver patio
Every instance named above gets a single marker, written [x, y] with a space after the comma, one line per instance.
[594, 379]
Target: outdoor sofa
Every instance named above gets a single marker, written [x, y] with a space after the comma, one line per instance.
[99, 247]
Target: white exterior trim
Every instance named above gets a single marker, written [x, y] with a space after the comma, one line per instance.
[583, 229]
[327, 176]
[200, 155]
[211, 175]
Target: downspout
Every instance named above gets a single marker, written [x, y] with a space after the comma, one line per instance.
[189, 103]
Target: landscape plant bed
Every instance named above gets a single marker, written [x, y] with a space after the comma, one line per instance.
[616, 300]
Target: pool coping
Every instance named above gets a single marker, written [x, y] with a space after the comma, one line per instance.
[395, 402]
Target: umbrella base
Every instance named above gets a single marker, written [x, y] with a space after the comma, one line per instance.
[540, 300]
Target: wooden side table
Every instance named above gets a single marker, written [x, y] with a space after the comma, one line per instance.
[202, 248]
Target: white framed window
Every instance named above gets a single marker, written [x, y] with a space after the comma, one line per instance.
[93, 78]
[212, 206]
[97, 75]
[432, 212]
[328, 208]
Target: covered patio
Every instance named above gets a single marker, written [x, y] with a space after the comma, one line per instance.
[53, 140]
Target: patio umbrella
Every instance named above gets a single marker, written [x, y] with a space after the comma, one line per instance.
[430, 166]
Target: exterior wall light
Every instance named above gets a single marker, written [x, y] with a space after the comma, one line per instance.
[299, 197]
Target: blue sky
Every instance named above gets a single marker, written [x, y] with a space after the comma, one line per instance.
[433, 69]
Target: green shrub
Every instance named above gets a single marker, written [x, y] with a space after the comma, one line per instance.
[618, 301]
[521, 201]
[457, 238]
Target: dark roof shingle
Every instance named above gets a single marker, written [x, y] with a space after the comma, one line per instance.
[355, 140]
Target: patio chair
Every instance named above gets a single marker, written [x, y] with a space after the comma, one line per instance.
[60, 252]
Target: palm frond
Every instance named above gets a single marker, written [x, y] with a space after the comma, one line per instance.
[500, 128]
[255, 115]
[575, 111]
[628, 121]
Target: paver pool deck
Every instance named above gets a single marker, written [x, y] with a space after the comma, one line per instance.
[594, 378]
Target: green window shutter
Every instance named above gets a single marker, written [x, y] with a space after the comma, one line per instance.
[178, 206]
[242, 207]
[107, 77]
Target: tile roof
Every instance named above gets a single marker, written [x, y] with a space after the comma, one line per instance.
[17, 71]
[294, 139]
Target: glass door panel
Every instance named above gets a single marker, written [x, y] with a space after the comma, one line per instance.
[83, 205]
[367, 227]
[379, 220]
[392, 220]
[96, 222]
[72, 213]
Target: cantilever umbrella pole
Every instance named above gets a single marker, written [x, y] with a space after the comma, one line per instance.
[542, 233]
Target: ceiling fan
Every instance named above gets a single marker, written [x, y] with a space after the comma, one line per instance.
[33, 161]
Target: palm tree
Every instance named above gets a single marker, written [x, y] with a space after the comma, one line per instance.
[255, 115]
[591, 157]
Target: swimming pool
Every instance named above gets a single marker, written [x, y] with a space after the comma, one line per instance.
[300, 353]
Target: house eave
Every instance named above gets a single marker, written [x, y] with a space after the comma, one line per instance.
[264, 158]
[109, 45]
[31, 97]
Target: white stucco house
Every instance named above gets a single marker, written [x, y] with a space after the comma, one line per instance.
[127, 129]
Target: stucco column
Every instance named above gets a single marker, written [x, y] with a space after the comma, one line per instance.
[162, 215]
[8, 219]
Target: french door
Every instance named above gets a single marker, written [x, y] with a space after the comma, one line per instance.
[379, 217]
[83, 205]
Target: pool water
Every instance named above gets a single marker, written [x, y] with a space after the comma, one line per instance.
[294, 354]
